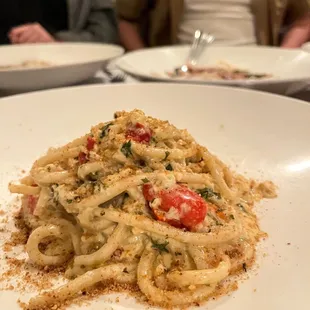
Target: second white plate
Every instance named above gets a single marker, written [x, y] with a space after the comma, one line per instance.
[290, 68]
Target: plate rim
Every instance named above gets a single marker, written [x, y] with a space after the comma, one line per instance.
[119, 51]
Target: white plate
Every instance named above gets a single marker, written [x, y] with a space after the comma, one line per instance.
[306, 47]
[266, 135]
[70, 63]
[288, 67]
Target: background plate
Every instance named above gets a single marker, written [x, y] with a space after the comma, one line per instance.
[289, 67]
[70, 63]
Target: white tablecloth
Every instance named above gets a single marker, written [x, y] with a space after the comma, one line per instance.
[100, 78]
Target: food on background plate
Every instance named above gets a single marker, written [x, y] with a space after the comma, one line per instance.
[220, 72]
[28, 64]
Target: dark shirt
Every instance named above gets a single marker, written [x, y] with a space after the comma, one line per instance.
[51, 14]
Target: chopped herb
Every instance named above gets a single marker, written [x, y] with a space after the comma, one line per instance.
[167, 155]
[207, 193]
[231, 216]
[217, 222]
[242, 208]
[153, 140]
[145, 180]
[69, 200]
[105, 130]
[177, 253]
[161, 247]
[244, 267]
[169, 167]
[126, 148]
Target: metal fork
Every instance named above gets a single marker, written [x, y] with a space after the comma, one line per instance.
[118, 78]
[200, 41]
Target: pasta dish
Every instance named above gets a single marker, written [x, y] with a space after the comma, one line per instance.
[224, 72]
[139, 202]
[29, 64]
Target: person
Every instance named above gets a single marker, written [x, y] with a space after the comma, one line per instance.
[299, 34]
[233, 22]
[45, 21]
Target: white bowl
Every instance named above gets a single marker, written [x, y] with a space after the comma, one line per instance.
[70, 63]
[263, 134]
[306, 47]
[290, 68]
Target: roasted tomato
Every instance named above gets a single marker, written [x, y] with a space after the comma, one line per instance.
[90, 143]
[179, 206]
[139, 133]
[32, 203]
[82, 158]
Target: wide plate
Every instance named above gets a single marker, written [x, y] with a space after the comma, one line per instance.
[288, 67]
[306, 47]
[263, 134]
[70, 63]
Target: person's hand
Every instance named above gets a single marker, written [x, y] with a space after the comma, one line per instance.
[298, 34]
[30, 33]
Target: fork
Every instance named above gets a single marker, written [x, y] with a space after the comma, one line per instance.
[200, 41]
[118, 78]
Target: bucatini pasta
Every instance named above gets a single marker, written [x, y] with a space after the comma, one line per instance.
[138, 201]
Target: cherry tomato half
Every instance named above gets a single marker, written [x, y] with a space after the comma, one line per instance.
[139, 133]
[190, 207]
